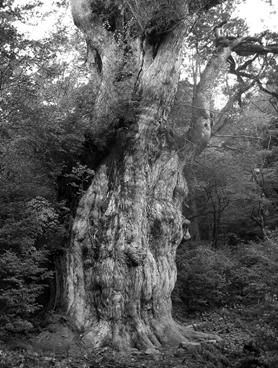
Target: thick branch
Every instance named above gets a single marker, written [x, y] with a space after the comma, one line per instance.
[249, 47]
[243, 46]
[200, 5]
[222, 119]
[200, 131]
[262, 88]
[240, 73]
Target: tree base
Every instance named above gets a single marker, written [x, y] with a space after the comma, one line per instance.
[142, 336]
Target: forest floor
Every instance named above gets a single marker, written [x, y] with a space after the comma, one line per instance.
[235, 350]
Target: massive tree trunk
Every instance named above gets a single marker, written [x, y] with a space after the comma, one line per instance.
[121, 260]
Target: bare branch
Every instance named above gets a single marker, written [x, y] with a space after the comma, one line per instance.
[247, 63]
[262, 88]
[237, 136]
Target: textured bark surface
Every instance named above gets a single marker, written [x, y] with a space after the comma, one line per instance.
[200, 132]
[121, 261]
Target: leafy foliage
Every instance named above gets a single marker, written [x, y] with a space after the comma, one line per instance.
[23, 278]
[47, 161]
[246, 276]
[43, 123]
[202, 278]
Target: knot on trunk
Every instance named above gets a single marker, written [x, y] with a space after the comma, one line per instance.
[135, 256]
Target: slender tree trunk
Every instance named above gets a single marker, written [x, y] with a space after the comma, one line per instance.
[195, 223]
[121, 261]
[215, 228]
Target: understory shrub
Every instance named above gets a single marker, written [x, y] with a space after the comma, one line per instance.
[244, 278]
[24, 263]
[209, 278]
[202, 277]
[23, 277]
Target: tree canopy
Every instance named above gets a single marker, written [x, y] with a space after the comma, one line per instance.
[113, 144]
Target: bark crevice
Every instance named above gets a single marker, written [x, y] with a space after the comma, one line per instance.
[121, 261]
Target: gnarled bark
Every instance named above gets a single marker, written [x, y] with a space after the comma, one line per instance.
[121, 260]
[200, 132]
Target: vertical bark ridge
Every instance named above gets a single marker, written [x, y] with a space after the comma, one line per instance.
[200, 132]
[125, 295]
[121, 260]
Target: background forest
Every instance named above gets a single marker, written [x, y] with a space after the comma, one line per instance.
[228, 270]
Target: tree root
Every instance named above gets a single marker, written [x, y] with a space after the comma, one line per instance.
[144, 336]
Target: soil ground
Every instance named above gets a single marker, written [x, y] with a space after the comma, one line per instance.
[57, 347]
